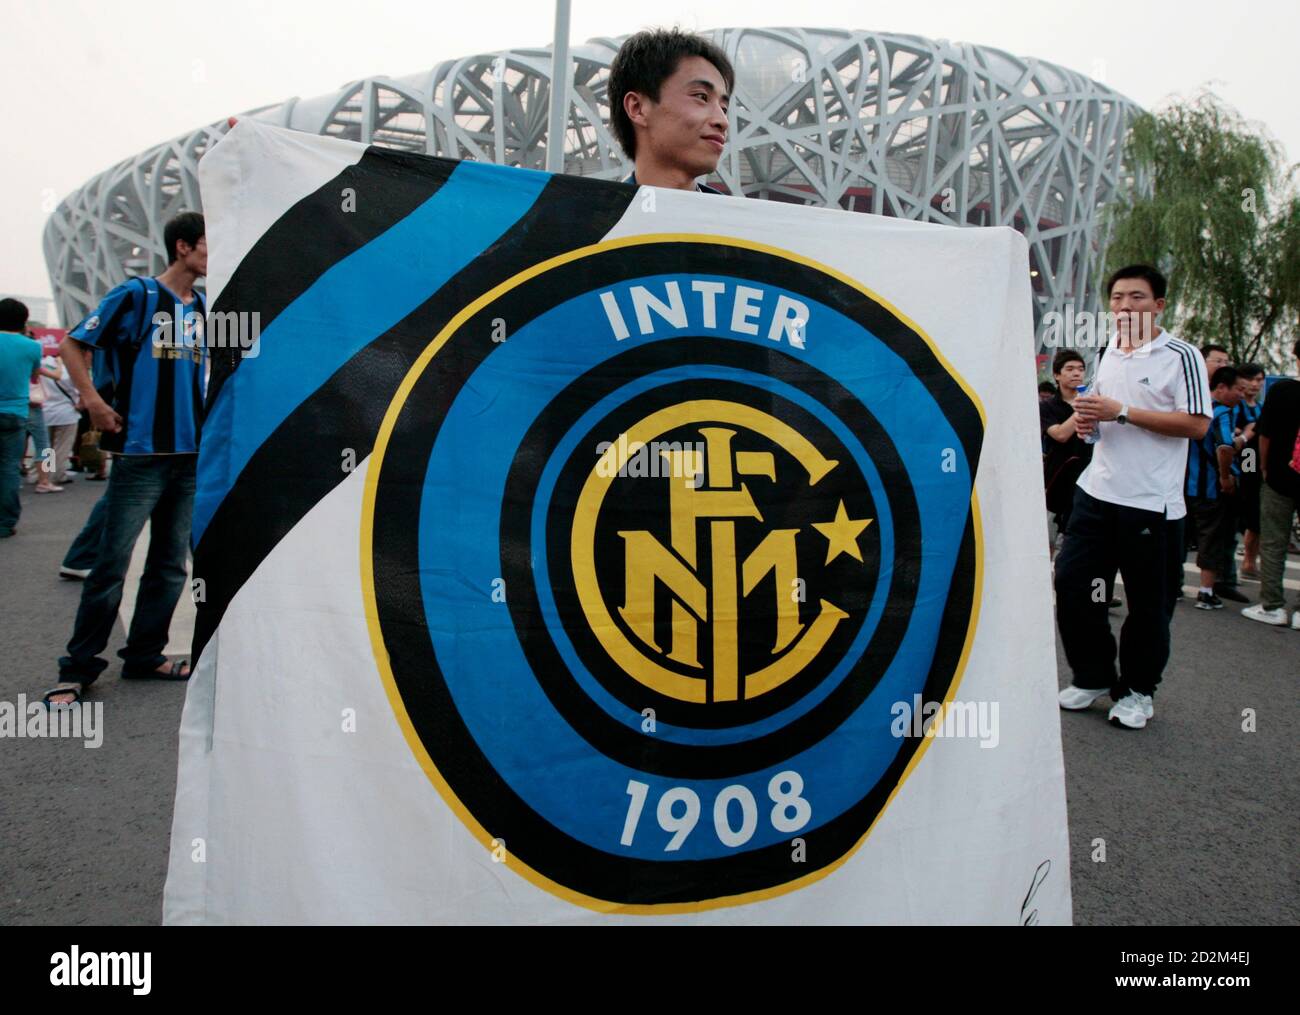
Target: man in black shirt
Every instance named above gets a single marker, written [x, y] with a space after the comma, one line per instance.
[1251, 378]
[1279, 497]
[1066, 455]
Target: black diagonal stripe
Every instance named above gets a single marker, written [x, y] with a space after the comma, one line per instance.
[318, 232]
[295, 468]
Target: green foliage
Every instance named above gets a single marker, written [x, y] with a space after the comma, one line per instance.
[1212, 208]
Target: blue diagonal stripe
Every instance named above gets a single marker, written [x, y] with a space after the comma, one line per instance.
[349, 306]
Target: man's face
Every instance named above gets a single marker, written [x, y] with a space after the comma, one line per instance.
[1226, 395]
[1071, 375]
[687, 127]
[194, 258]
[1214, 360]
[1135, 308]
[1252, 386]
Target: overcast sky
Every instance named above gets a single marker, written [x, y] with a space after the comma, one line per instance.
[86, 83]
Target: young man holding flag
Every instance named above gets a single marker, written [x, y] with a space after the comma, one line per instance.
[668, 97]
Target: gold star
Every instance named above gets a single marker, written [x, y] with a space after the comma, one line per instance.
[843, 534]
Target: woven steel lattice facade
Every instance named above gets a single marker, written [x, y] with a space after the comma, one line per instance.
[890, 124]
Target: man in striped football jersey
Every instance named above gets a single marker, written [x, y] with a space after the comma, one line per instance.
[1212, 486]
[146, 398]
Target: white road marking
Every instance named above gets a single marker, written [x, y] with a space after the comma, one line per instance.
[1194, 572]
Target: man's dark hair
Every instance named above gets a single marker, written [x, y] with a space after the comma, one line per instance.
[1207, 349]
[1046, 388]
[645, 61]
[187, 226]
[1227, 376]
[13, 315]
[1063, 357]
[1143, 271]
[1295, 349]
[1250, 371]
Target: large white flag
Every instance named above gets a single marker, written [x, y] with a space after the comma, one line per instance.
[569, 551]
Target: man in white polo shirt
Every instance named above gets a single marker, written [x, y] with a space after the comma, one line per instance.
[1150, 395]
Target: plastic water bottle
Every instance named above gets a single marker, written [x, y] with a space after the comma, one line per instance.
[1095, 436]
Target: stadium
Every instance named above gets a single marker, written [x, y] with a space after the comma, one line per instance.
[898, 125]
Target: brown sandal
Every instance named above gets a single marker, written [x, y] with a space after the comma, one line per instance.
[173, 672]
[71, 687]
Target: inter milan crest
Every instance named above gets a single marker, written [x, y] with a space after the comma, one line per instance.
[656, 533]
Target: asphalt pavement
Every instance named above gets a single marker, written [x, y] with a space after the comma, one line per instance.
[1196, 817]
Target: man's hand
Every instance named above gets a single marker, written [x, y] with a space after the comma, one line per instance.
[1228, 483]
[1097, 407]
[102, 416]
[1249, 432]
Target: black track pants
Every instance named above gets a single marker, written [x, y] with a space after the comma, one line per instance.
[1103, 538]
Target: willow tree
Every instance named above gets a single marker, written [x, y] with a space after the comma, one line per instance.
[1214, 208]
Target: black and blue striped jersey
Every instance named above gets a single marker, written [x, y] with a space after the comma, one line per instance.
[150, 369]
[1203, 462]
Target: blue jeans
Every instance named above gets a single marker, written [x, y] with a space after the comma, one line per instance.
[40, 435]
[85, 548]
[154, 488]
[13, 436]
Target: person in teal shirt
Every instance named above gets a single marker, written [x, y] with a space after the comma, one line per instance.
[20, 359]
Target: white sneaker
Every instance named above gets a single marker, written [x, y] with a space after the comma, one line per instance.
[1257, 612]
[1295, 621]
[1133, 710]
[74, 574]
[1076, 698]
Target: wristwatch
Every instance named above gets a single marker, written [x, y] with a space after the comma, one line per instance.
[1122, 416]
